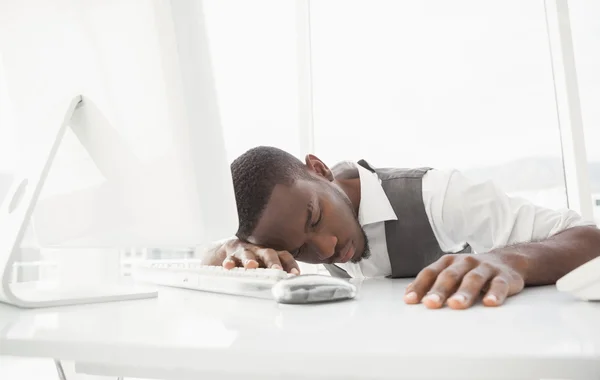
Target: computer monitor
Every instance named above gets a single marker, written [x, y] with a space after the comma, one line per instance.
[161, 174]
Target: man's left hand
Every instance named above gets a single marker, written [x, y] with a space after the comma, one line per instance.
[459, 279]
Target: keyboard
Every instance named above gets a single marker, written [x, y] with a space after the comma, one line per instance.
[190, 274]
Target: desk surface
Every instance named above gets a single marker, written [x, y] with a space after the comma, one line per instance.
[540, 333]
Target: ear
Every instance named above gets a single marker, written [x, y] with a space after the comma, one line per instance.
[317, 166]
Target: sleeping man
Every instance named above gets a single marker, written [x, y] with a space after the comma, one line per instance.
[459, 238]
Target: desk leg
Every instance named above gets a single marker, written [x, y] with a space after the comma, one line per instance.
[60, 370]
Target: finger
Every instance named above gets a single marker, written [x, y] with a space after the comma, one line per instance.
[231, 262]
[289, 263]
[498, 292]
[248, 258]
[471, 286]
[447, 282]
[270, 258]
[425, 279]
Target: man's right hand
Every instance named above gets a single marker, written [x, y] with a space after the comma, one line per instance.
[236, 253]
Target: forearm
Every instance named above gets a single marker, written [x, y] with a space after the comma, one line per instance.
[544, 262]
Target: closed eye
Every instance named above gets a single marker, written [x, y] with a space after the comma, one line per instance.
[296, 252]
[316, 223]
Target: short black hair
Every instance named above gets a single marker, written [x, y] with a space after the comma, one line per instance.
[255, 173]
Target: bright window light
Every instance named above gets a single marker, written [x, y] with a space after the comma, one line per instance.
[462, 84]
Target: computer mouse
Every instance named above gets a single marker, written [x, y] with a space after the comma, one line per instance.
[312, 288]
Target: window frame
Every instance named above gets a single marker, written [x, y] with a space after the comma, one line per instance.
[568, 108]
[305, 81]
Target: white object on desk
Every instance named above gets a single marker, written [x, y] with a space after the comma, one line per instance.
[190, 274]
[313, 288]
[15, 217]
[184, 334]
[582, 282]
[163, 183]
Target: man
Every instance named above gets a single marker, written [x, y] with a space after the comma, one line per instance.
[366, 222]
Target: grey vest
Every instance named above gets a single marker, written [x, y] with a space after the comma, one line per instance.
[411, 243]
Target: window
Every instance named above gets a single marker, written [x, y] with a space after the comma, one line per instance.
[462, 84]
[253, 47]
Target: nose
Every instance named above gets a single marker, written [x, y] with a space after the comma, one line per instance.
[325, 245]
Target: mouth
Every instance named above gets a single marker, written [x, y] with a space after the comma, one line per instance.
[346, 253]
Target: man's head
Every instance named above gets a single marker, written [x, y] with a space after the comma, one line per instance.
[298, 207]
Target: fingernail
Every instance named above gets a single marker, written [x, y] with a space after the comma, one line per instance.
[248, 262]
[411, 297]
[294, 271]
[459, 298]
[433, 298]
[276, 266]
[492, 298]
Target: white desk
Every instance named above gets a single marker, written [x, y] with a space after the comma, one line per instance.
[190, 335]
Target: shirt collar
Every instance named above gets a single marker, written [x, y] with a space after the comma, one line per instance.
[374, 206]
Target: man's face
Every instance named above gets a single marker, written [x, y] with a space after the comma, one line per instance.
[313, 219]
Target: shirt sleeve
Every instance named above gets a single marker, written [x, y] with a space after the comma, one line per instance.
[480, 214]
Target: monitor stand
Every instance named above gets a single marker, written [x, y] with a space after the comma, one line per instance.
[15, 216]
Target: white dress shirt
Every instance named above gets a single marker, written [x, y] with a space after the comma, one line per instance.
[460, 211]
